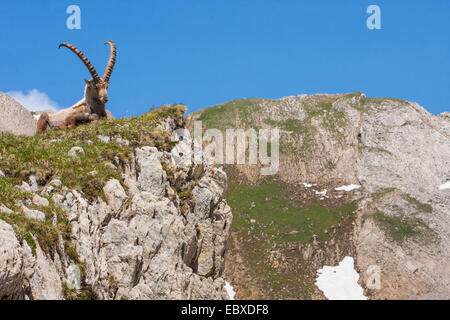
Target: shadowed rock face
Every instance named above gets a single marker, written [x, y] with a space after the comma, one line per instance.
[397, 151]
[14, 118]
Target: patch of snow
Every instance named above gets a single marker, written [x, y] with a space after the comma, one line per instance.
[230, 290]
[307, 185]
[341, 282]
[348, 188]
[445, 186]
[321, 193]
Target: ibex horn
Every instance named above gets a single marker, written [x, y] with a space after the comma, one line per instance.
[83, 58]
[112, 61]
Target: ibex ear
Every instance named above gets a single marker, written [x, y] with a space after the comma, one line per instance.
[87, 81]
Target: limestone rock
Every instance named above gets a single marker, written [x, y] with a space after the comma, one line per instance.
[151, 173]
[209, 191]
[75, 151]
[56, 183]
[25, 187]
[42, 276]
[33, 183]
[11, 263]
[122, 142]
[47, 190]
[39, 201]
[73, 281]
[115, 194]
[33, 214]
[104, 139]
[5, 209]
[15, 118]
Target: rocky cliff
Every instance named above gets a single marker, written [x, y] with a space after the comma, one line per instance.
[395, 224]
[111, 210]
[118, 210]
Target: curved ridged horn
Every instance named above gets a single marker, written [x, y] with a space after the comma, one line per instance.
[83, 58]
[112, 61]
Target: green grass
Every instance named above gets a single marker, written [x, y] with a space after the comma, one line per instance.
[319, 109]
[381, 193]
[278, 217]
[401, 228]
[72, 294]
[375, 149]
[224, 116]
[354, 94]
[185, 194]
[422, 207]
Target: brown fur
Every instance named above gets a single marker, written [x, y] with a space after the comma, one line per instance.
[76, 117]
[42, 123]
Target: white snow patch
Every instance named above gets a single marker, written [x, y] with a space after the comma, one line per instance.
[321, 193]
[341, 282]
[230, 290]
[307, 185]
[348, 188]
[445, 186]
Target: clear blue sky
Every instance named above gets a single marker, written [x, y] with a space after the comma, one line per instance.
[205, 52]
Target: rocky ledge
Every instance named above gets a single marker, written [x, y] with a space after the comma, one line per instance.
[157, 232]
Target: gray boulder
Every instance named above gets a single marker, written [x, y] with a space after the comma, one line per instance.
[14, 118]
[33, 214]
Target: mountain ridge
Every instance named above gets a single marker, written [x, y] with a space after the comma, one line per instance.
[394, 149]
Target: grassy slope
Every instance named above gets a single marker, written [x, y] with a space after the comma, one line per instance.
[278, 223]
[47, 158]
[277, 216]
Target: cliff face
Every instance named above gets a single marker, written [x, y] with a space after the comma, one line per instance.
[145, 224]
[398, 229]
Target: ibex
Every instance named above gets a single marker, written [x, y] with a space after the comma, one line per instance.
[92, 106]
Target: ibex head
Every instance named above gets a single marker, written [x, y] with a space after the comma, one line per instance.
[96, 88]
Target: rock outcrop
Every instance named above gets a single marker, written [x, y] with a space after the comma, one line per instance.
[15, 118]
[142, 239]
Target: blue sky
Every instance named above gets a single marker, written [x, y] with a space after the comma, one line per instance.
[206, 52]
